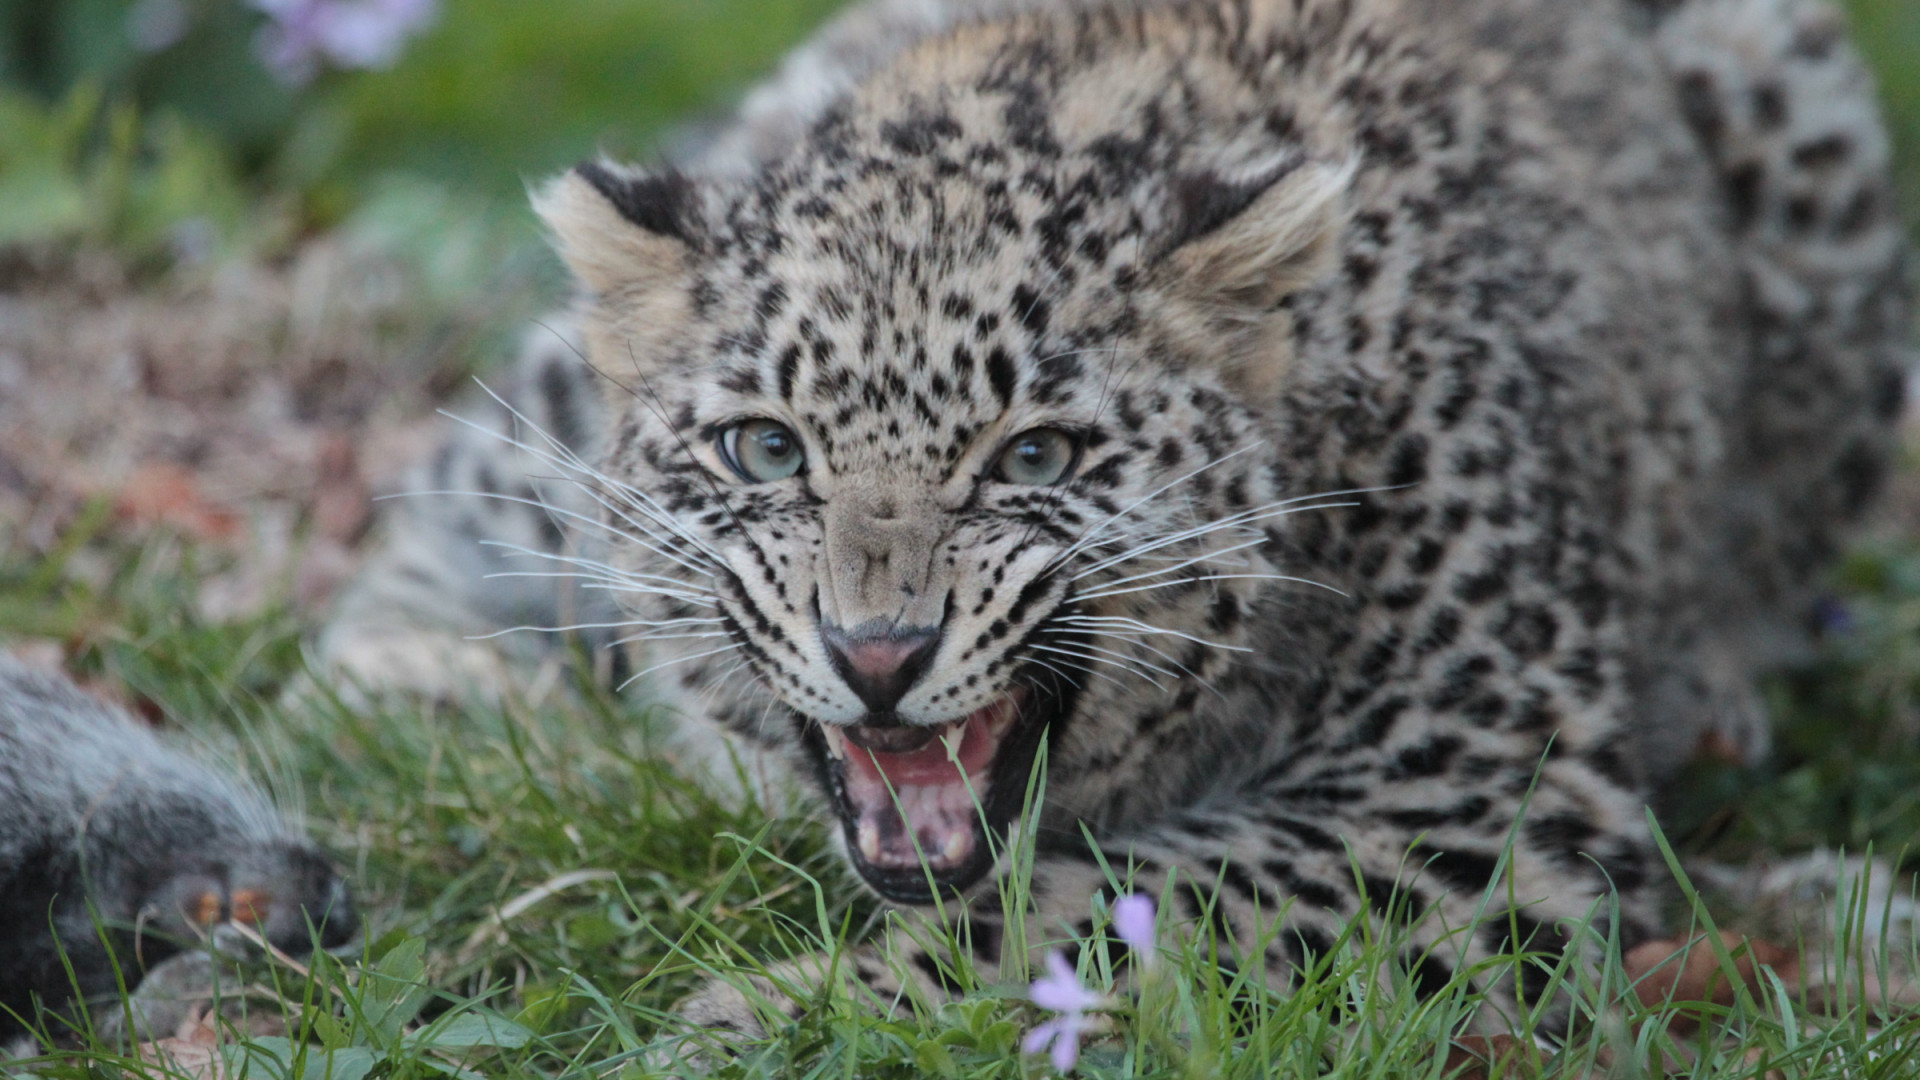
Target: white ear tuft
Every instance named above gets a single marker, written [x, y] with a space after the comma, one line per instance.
[1239, 249]
[620, 232]
[1252, 244]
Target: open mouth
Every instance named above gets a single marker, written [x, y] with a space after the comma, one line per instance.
[923, 806]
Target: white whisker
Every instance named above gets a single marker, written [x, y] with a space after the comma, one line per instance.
[575, 626]
[606, 570]
[1155, 668]
[1210, 577]
[1214, 554]
[1182, 668]
[592, 581]
[1094, 622]
[669, 637]
[540, 504]
[677, 660]
[1087, 670]
[1237, 521]
[609, 587]
[572, 462]
[1087, 537]
[1128, 668]
[655, 542]
[1055, 670]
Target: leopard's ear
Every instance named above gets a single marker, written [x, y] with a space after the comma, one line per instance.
[1248, 243]
[1238, 247]
[622, 232]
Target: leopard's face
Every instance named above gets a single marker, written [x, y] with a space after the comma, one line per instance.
[917, 473]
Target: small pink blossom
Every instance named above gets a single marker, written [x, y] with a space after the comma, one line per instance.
[1059, 1039]
[1060, 991]
[1133, 920]
[346, 33]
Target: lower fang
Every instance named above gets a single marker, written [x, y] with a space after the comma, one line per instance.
[957, 845]
[869, 841]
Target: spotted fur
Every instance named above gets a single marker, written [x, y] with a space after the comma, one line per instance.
[1463, 406]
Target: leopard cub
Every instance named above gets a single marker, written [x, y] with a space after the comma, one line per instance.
[1324, 427]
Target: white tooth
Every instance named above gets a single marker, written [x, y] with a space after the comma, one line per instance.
[956, 846]
[869, 841]
[952, 737]
[836, 740]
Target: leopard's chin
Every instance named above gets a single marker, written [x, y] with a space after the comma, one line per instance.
[925, 808]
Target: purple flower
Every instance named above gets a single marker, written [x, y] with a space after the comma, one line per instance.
[1133, 921]
[1061, 992]
[346, 33]
[1062, 1034]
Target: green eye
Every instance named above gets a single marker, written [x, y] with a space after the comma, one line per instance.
[761, 451]
[1039, 457]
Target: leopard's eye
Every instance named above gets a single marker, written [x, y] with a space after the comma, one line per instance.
[1038, 457]
[761, 451]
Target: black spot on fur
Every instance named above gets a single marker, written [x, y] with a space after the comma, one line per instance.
[919, 135]
[1467, 871]
[1001, 375]
[1409, 463]
[1031, 309]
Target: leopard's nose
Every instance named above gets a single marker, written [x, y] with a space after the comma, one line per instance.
[880, 663]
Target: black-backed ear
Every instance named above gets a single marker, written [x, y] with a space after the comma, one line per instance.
[1235, 250]
[621, 230]
[1246, 244]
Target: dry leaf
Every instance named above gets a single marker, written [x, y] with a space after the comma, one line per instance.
[162, 493]
[192, 1051]
[1493, 1057]
[1681, 970]
[342, 505]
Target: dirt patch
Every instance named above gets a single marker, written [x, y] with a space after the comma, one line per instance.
[255, 407]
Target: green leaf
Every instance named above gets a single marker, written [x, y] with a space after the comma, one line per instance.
[999, 1038]
[470, 1029]
[393, 991]
[353, 1063]
[329, 1031]
[274, 1058]
[935, 1059]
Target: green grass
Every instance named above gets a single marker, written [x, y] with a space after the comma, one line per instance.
[632, 885]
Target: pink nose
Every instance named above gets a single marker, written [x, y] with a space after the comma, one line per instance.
[880, 663]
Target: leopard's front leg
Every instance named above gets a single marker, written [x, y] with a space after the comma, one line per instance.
[1276, 873]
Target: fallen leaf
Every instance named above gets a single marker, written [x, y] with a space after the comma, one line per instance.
[1686, 971]
[193, 1051]
[1493, 1057]
[342, 505]
[165, 494]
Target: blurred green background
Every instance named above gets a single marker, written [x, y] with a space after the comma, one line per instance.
[155, 128]
[158, 129]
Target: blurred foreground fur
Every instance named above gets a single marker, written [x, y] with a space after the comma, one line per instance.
[117, 851]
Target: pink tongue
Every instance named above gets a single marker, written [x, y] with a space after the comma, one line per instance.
[930, 764]
[918, 804]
